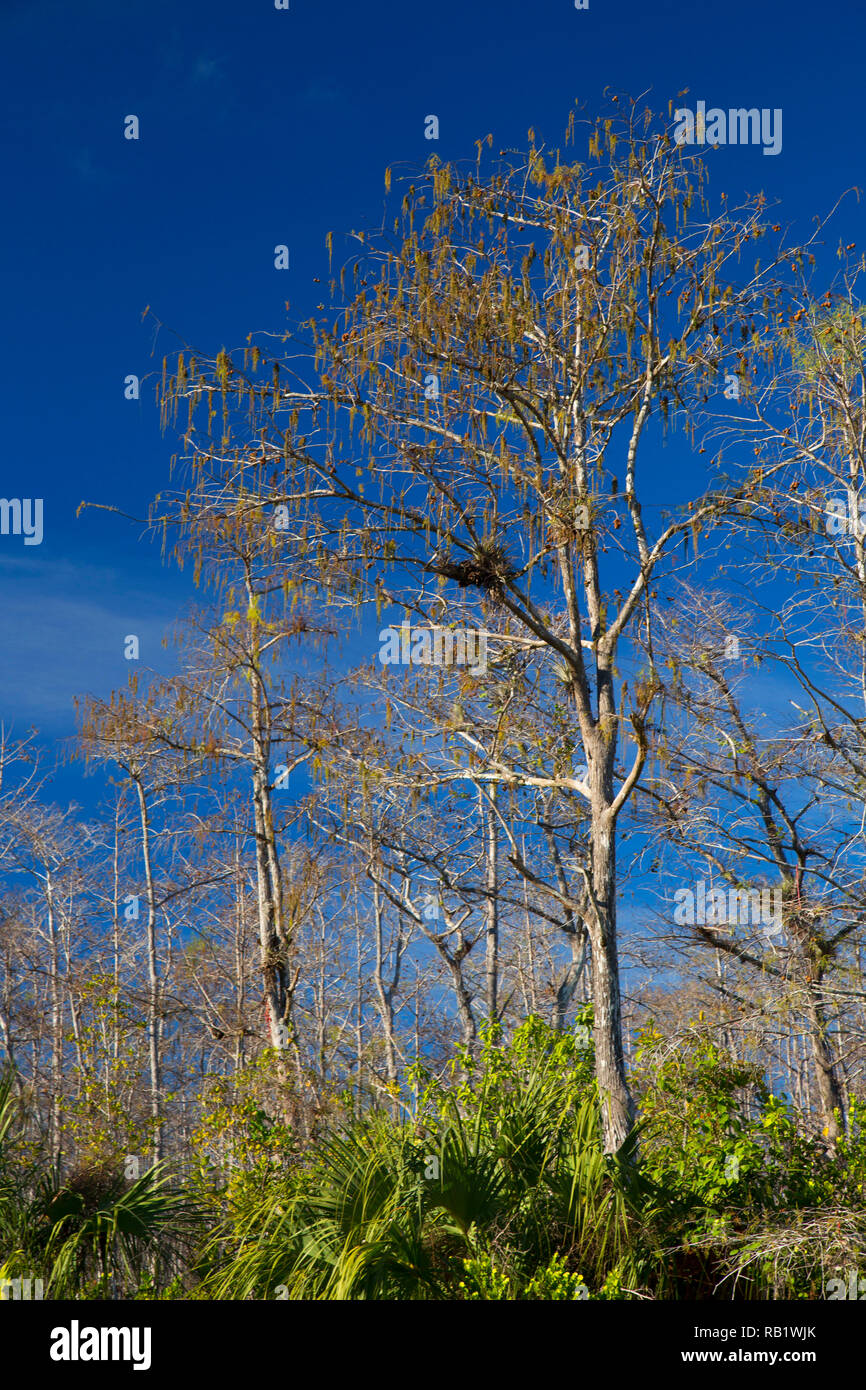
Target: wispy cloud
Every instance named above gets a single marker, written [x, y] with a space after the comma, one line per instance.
[207, 69]
[61, 635]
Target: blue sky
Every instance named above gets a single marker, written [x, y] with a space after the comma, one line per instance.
[261, 127]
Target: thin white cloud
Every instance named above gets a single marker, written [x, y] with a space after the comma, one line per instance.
[61, 634]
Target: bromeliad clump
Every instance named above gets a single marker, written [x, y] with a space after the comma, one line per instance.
[488, 568]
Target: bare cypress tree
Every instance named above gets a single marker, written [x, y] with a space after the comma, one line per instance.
[477, 402]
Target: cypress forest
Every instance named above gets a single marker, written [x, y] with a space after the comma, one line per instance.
[524, 962]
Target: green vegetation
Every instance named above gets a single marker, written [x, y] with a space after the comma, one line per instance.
[488, 1184]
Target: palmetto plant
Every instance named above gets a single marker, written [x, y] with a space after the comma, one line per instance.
[351, 1226]
[17, 1177]
[508, 1164]
[88, 1233]
[99, 1231]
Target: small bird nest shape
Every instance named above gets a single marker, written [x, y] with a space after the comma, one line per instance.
[489, 569]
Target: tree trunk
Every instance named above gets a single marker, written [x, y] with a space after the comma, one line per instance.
[831, 1102]
[464, 1002]
[577, 940]
[491, 906]
[154, 1027]
[273, 965]
[618, 1112]
[56, 1024]
[240, 964]
[384, 994]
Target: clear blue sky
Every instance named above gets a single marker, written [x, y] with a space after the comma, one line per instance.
[260, 127]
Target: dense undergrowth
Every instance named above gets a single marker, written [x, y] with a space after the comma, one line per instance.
[490, 1184]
